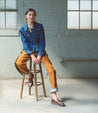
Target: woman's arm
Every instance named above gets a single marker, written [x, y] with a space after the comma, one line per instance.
[42, 42]
[25, 44]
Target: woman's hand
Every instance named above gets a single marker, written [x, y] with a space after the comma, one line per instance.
[34, 59]
[39, 58]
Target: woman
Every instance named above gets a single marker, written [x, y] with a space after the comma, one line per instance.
[33, 40]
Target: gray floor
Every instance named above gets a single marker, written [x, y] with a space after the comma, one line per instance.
[79, 95]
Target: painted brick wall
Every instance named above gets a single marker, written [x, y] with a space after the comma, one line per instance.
[59, 42]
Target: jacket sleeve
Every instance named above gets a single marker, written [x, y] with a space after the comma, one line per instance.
[42, 42]
[25, 44]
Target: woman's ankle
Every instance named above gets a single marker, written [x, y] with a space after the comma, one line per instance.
[54, 96]
[30, 76]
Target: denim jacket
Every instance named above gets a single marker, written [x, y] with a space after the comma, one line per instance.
[33, 41]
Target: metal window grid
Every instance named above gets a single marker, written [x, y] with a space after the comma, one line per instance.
[85, 11]
[8, 10]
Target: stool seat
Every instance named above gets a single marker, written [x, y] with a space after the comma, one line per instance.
[35, 83]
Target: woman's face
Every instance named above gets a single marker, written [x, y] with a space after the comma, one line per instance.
[30, 16]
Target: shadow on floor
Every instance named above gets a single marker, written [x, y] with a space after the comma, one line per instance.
[82, 101]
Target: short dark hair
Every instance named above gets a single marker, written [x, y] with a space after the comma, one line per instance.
[30, 9]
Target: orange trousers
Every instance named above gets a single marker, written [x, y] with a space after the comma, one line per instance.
[51, 74]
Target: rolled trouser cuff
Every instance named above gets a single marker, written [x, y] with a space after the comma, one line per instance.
[54, 90]
[27, 74]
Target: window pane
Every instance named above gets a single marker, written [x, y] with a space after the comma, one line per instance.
[1, 4]
[10, 4]
[11, 19]
[85, 4]
[85, 20]
[95, 20]
[95, 4]
[2, 22]
[73, 20]
[73, 4]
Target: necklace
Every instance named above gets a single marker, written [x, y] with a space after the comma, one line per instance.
[30, 27]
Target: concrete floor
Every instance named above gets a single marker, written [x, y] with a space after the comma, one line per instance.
[79, 95]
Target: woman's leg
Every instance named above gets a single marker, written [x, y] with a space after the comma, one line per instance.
[52, 80]
[20, 63]
[50, 73]
[21, 66]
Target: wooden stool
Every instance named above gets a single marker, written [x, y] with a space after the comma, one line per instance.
[35, 83]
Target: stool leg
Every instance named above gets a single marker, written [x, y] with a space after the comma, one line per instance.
[35, 82]
[30, 70]
[23, 77]
[29, 91]
[42, 80]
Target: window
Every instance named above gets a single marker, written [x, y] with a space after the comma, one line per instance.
[8, 14]
[82, 14]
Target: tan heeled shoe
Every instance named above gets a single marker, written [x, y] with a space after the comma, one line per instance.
[57, 102]
[30, 80]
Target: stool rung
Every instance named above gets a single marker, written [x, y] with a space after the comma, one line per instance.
[26, 83]
[37, 71]
[38, 83]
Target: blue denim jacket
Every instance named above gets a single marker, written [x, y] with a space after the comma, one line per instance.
[33, 41]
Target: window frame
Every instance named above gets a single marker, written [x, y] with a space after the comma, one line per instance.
[91, 11]
[9, 31]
